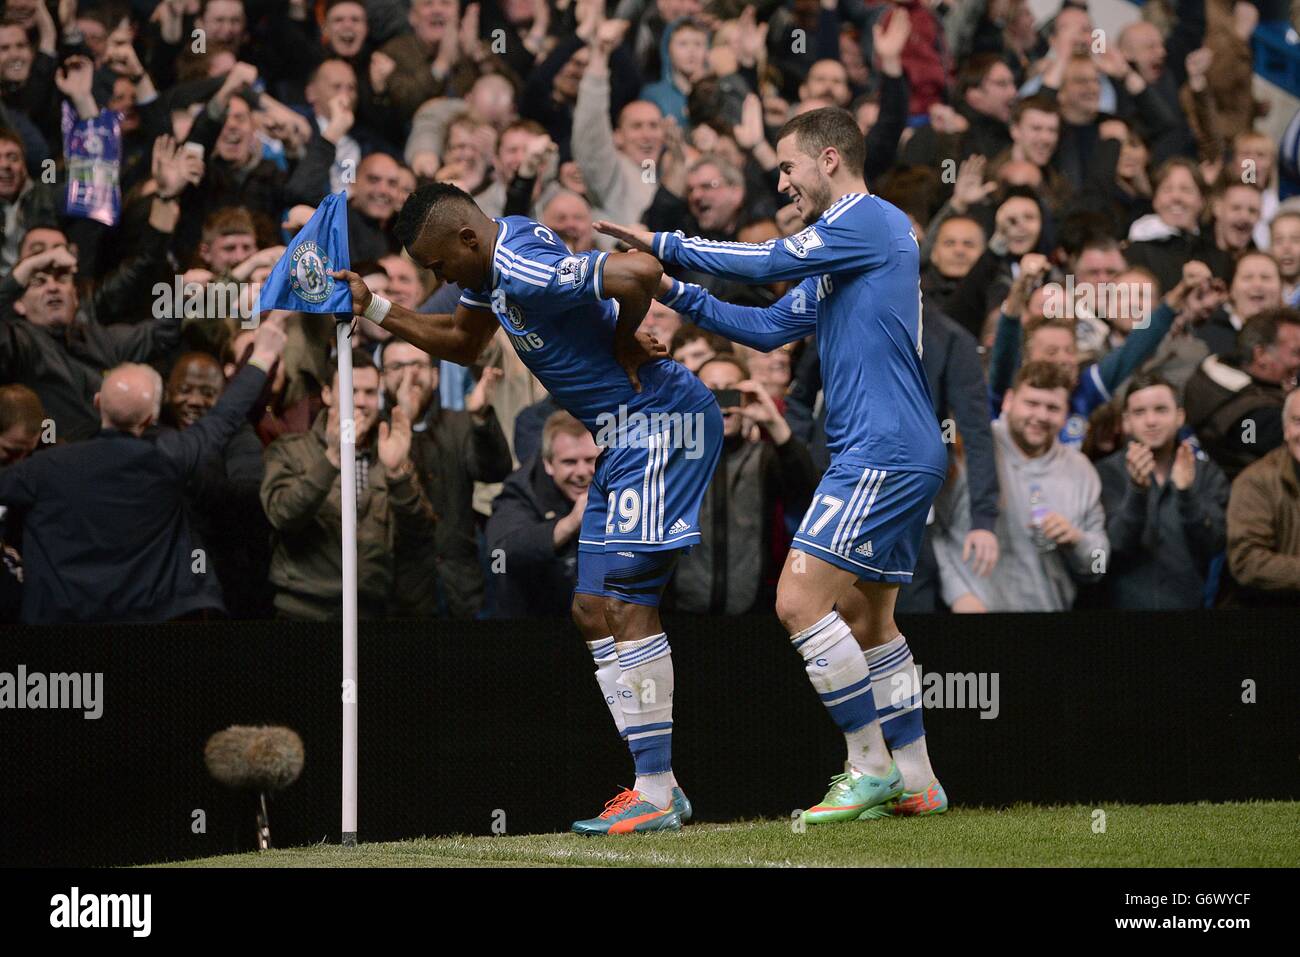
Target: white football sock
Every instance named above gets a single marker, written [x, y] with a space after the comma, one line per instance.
[896, 687]
[647, 671]
[604, 653]
[842, 679]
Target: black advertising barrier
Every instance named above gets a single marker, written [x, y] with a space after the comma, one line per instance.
[464, 726]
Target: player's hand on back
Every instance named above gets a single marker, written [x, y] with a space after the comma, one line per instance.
[655, 348]
[361, 293]
[635, 237]
[632, 354]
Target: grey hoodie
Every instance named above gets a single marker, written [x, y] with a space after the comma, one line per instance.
[1026, 579]
[615, 183]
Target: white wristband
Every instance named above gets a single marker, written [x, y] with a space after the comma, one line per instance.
[377, 311]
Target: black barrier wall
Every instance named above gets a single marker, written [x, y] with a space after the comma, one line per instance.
[467, 724]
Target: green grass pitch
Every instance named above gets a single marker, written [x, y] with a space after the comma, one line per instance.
[1255, 834]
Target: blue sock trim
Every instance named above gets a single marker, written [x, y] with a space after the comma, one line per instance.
[828, 696]
[857, 712]
[656, 649]
[652, 755]
[902, 730]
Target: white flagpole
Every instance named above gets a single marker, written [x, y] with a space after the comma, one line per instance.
[348, 470]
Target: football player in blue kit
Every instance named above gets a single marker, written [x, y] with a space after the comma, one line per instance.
[573, 317]
[857, 263]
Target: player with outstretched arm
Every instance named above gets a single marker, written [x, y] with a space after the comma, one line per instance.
[573, 319]
[858, 262]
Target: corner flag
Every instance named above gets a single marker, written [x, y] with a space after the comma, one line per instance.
[300, 281]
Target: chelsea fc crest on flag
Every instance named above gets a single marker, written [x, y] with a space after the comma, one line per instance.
[309, 277]
[301, 280]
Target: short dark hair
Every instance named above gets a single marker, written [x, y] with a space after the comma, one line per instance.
[1019, 192]
[688, 334]
[360, 360]
[367, 267]
[1150, 380]
[1042, 375]
[1253, 254]
[829, 126]
[1260, 331]
[1079, 229]
[9, 135]
[1169, 166]
[1039, 102]
[431, 201]
[974, 71]
[325, 62]
[19, 405]
[1103, 243]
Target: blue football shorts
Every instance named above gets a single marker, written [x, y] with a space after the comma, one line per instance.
[869, 521]
[645, 500]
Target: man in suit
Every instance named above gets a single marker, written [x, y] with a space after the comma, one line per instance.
[105, 531]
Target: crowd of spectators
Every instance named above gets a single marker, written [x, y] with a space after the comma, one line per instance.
[1111, 275]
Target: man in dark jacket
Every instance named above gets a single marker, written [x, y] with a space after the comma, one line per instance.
[1235, 403]
[49, 343]
[227, 482]
[1164, 503]
[979, 126]
[451, 450]
[728, 571]
[105, 534]
[235, 172]
[532, 535]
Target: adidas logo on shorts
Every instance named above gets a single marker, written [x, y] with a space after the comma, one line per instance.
[679, 526]
[864, 550]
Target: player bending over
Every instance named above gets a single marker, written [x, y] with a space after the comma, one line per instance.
[573, 319]
[860, 293]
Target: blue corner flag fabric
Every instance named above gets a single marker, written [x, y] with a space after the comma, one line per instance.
[301, 281]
